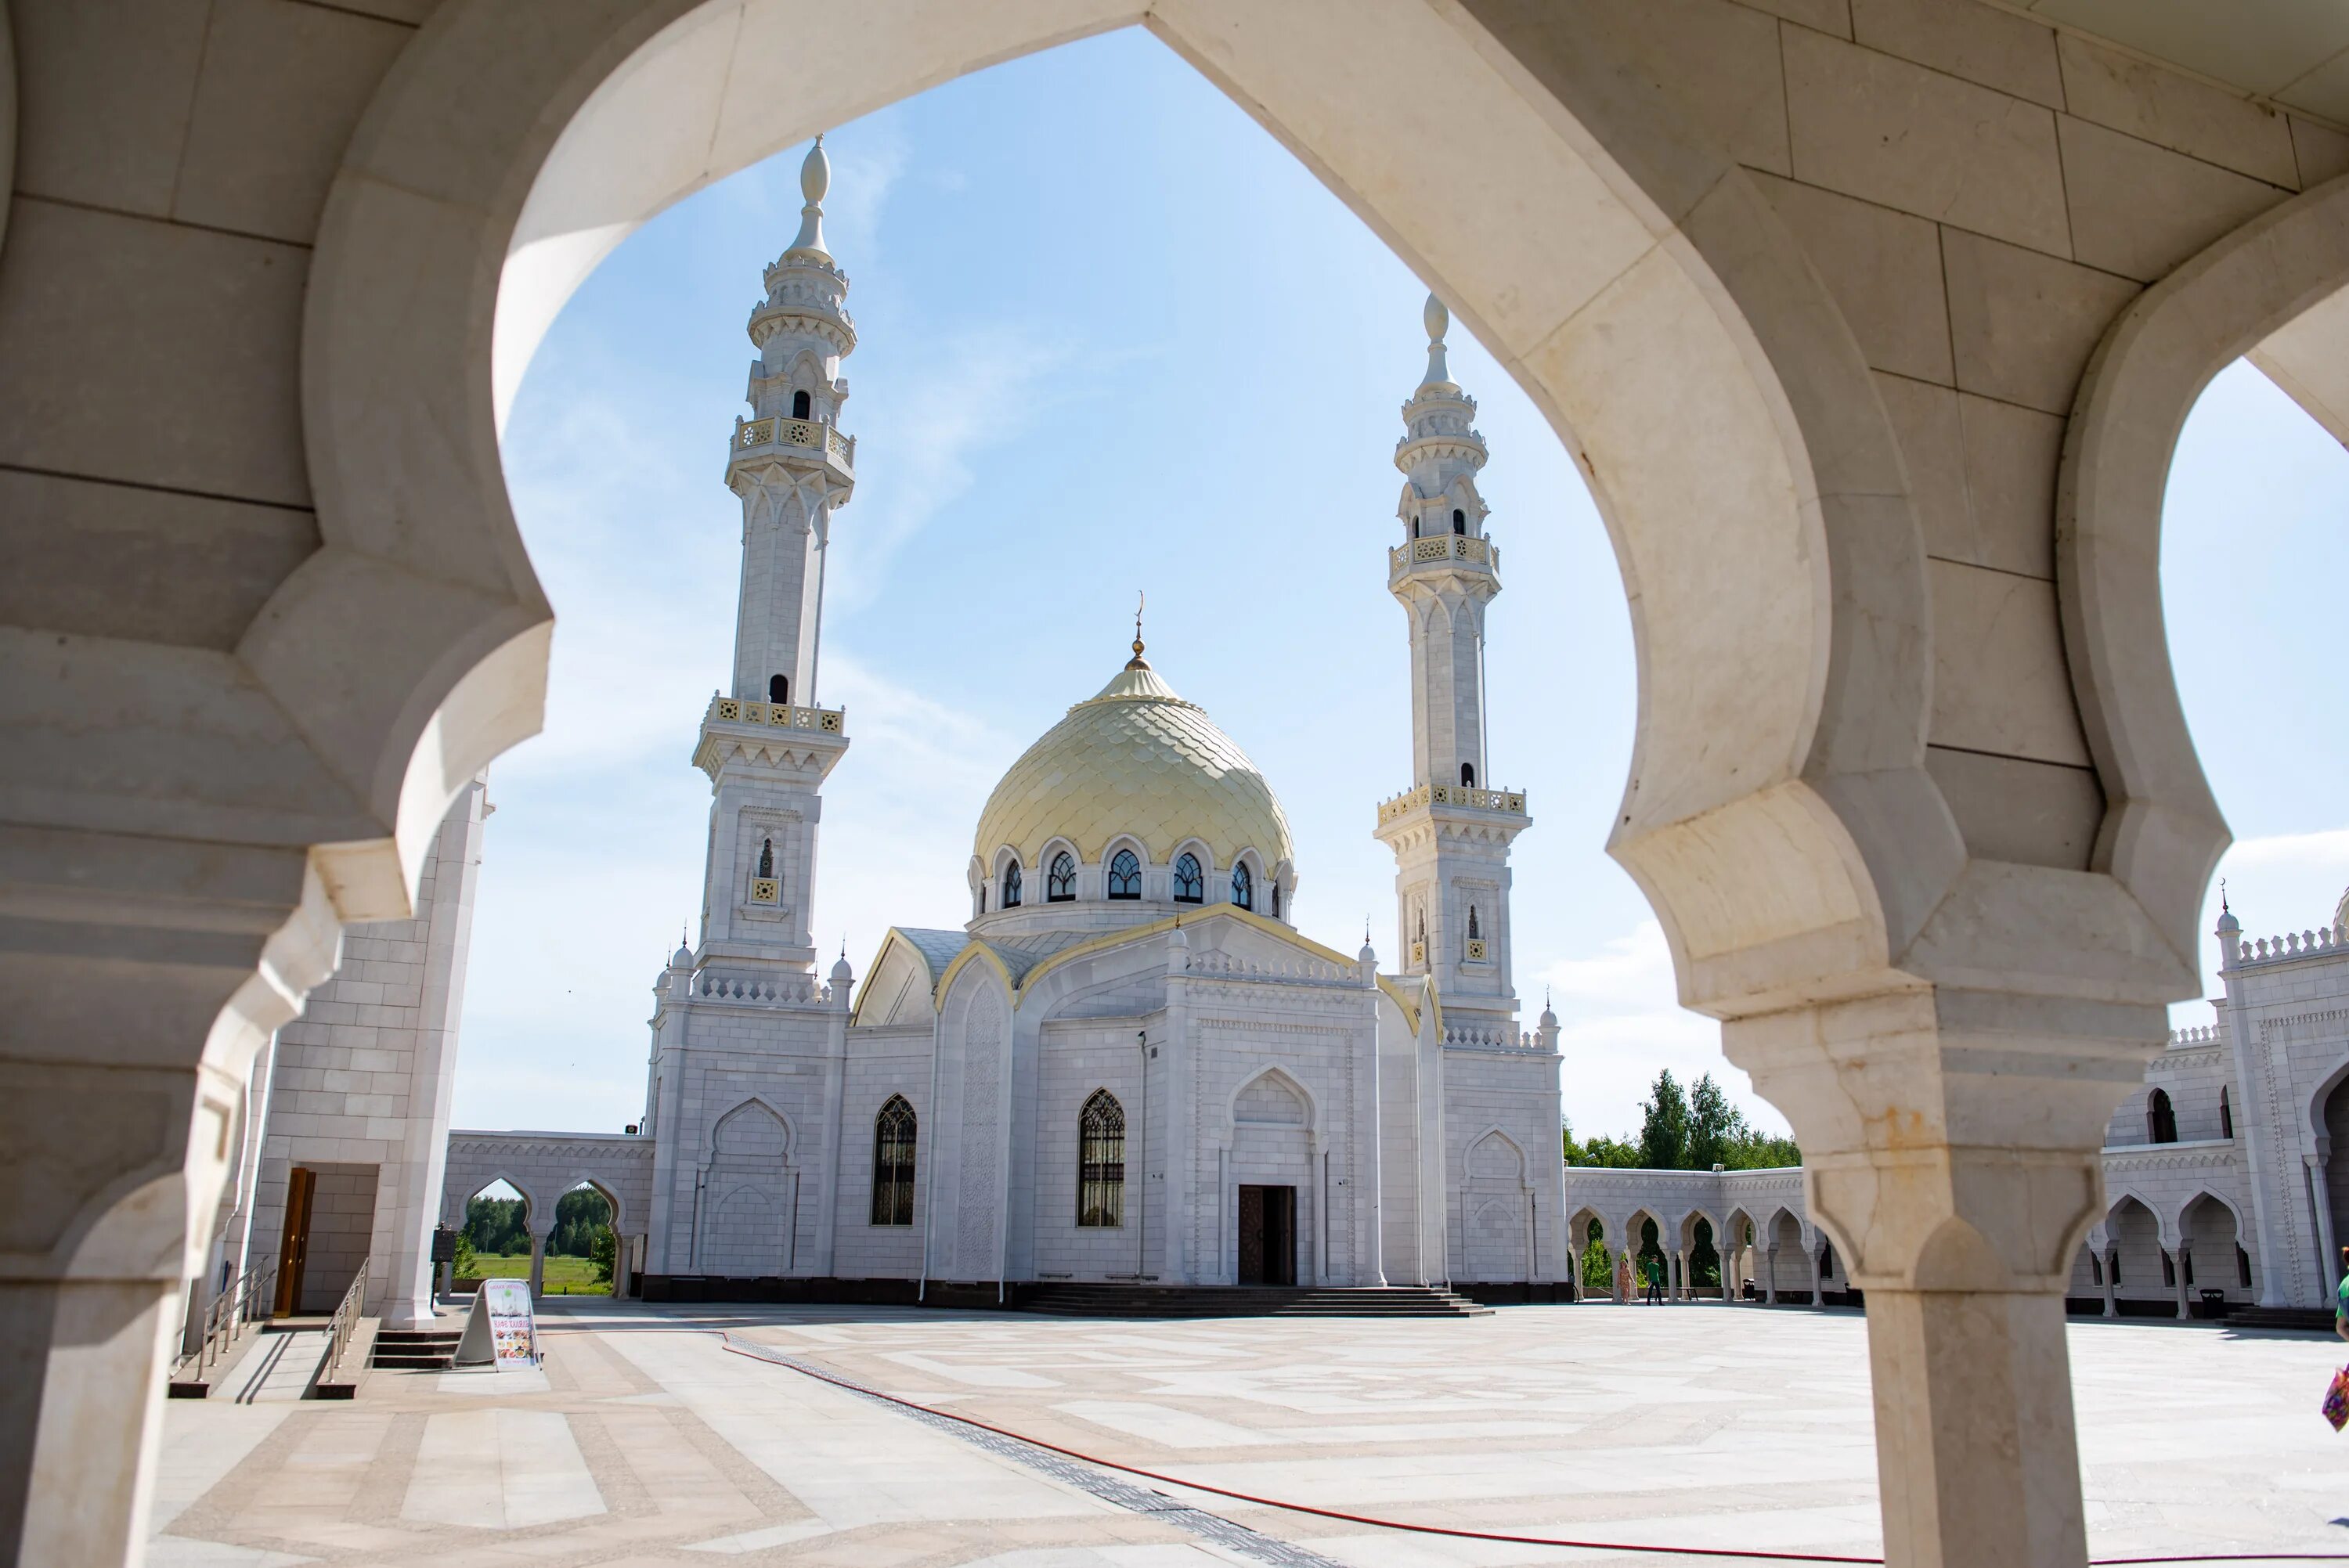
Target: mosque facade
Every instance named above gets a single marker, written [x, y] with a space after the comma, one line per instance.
[1129, 1064]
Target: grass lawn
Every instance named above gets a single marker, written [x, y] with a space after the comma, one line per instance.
[564, 1276]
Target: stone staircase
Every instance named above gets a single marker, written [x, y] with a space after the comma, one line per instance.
[2314, 1319]
[1075, 1300]
[415, 1349]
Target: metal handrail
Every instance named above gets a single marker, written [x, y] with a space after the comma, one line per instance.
[225, 1318]
[347, 1320]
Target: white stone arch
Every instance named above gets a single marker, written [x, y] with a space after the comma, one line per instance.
[711, 1145]
[1005, 857]
[2165, 1227]
[532, 1207]
[1308, 1102]
[2313, 1106]
[2163, 832]
[1122, 839]
[1208, 870]
[1247, 855]
[605, 1185]
[1060, 844]
[1492, 1130]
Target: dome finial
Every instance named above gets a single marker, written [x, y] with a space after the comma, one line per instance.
[1138, 662]
[1439, 322]
[815, 178]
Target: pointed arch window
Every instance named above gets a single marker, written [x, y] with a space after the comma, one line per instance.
[1243, 886]
[1468, 776]
[1125, 876]
[1010, 886]
[1061, 882]
[1474, 932]
[802, 406]
[1276, 901]
[778, 690]
[1101, 1162]
[766, 859]
[1190, 882]
[1459, 521]
[2226, 1114]
[2161, 1118]
[893, 1132]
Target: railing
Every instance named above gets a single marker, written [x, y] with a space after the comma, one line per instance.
[248, 1300]
[776, 715]
[2201, 1035]
[1510, 800]
[1492, 1039]
[776, 430]
[1442, 547]
[2321, 942]
[1301, 971]
[347, 1320]
[784, 992]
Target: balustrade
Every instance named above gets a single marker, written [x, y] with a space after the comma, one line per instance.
[777, 715]
[1510, 800]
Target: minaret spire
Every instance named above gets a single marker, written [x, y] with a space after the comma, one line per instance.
[815, 178]
[1450, 830]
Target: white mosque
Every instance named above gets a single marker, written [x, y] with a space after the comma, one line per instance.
[1129, 1064]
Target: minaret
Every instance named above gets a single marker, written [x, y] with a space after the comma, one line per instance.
[1450, 830]
[766, 745]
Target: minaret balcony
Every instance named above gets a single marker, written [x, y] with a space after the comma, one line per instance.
[1441, 552]
[1503, 802]
[779, 436]
[776, 715]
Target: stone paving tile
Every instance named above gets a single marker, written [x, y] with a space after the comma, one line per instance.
[648, 1442]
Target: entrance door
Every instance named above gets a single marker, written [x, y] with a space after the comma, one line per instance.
[1267, 1235]
[293, 1249]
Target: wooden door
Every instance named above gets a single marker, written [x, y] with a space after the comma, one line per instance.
[1280, 1235]
[1252, 1207]
[293, 1249]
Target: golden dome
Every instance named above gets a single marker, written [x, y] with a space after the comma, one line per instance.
[1135, 759]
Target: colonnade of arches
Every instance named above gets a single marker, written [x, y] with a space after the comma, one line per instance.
[1768, 1256]
[2179, 1258]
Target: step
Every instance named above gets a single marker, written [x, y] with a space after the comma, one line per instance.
[1100, 1300]
[2314, 1319]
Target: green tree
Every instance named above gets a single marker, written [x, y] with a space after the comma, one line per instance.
[578, 1215]
[606, 1251]
[464, 1266]
[1714, 1125]
[1598, 1269]
[1664, 1126]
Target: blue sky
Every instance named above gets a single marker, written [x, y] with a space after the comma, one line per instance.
[1113, 337]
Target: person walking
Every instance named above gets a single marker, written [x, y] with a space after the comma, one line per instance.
[1652, 1268]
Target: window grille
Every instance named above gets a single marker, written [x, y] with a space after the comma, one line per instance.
[894, 1132]
[1061, 882]
[1125, 876]
[1012, 886]
[1243, 886]
[1101, 1162]
[1190, 883]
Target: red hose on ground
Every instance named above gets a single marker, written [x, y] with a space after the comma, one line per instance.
[757, 1354]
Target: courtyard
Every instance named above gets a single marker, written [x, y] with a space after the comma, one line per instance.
[645, 1439]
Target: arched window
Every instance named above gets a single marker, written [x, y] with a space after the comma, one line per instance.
[1190, 883]
[2160, 1118]
[1010, 886]
[892, 1163]
[1101, 1162]
[1061, 882]
[2226, 1114]
[1467, 775]
[766, 857]
[779, 689]
[1414, 528]
[1276, 901]
[1243, 886]
[1125, 876]
[1459, 521]
[802, 406]
[1473, 932]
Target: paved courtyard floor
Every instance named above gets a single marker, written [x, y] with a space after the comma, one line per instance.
[644, 1439]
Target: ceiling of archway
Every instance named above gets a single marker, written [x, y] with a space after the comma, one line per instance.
[2291, 52]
